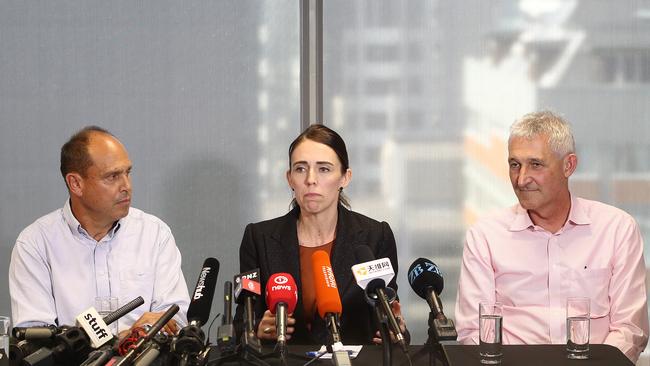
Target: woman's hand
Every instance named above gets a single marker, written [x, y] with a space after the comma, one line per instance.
[397, 310]
[266, 328]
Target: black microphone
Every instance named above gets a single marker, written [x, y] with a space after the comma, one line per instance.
[226, 331]
[102, 355]
[155, 328]
[247, 290]
[373, 280]
[73, 344]
[198, 313]
[426, 280]
[35, 333]
[191, 339]
[123, 310]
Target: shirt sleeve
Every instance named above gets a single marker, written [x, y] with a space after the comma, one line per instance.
[627, 293]
[32, 301]
[475, 284]
[170, 286]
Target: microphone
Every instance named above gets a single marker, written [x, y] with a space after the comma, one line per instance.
[198, 313]
[426, 280]
[328, 300]
[281, 297]
[35, 333]
[155, 328]
[247, 289]
[74, 343]
[191, 339]
[226, 331]
[372, 275]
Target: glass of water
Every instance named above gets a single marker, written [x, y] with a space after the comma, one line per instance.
[106, 305]
[577, 327]
[5, 328]
[489, 327]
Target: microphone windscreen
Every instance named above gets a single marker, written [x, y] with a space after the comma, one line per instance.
[363, 254]
[423, 274]
[281, 287]
[199, 309]
[127, 308]
[328, 299]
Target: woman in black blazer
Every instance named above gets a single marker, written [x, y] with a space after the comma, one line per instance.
[318, 173]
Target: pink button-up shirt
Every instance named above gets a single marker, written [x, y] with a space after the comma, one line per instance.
[598, 253]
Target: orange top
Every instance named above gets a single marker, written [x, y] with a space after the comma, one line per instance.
[307, 278]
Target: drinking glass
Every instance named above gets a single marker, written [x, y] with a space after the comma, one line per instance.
[5, 329]
[106, 305]
[490, 324]
[577, 327]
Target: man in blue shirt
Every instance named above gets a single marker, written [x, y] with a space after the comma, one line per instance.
[97, 245]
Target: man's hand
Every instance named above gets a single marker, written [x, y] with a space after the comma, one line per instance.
[148, 318]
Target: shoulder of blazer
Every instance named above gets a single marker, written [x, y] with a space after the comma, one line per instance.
[277, 228]
[351, 223]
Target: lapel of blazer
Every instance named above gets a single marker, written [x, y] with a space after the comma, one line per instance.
[283, 253]
[348, 233]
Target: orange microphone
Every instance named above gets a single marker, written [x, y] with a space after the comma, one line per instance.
[328, 301]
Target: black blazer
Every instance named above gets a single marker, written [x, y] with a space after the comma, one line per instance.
[272, 246]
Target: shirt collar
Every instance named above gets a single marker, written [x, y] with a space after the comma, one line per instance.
[75, 226]
[577, 216]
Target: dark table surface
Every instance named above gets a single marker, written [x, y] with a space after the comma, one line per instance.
[529, 355]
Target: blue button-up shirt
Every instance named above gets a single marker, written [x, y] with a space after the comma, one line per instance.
[57, 269]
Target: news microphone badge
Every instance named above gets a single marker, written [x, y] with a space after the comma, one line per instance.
[95, 327]
[368, 271]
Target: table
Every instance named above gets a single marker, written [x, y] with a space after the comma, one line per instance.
[459, 355]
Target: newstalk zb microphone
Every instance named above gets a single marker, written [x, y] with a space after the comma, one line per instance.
[426, 280]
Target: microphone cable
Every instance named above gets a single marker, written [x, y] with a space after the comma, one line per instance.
[207, 337]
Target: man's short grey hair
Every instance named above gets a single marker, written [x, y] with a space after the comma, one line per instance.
[547, 123]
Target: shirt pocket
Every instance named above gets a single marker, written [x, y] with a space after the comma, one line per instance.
[135, 282]
[594, 284]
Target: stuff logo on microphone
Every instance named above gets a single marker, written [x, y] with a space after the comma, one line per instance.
[198, 292]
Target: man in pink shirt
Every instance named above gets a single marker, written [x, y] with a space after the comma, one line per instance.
[550, 246]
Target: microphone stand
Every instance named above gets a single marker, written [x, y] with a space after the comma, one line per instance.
[433, 341]
[386, 344]
[250, 349]
[437, 354]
